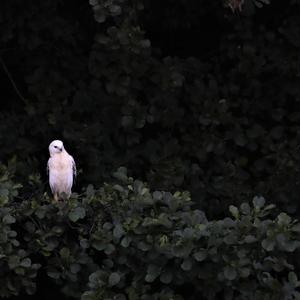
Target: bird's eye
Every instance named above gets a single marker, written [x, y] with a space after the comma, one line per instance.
[55, 146]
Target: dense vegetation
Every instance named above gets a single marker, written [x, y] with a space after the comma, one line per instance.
[124, 240]
[198, 96]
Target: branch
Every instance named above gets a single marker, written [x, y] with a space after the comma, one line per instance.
[12, 80]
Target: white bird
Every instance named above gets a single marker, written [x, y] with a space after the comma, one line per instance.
[62, 170]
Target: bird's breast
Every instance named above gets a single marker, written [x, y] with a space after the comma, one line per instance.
[60, 164]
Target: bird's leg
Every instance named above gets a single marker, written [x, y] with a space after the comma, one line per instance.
[56, 198]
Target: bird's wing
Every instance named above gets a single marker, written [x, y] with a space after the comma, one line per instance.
[51, 181]
[73, 167]
[47, 170]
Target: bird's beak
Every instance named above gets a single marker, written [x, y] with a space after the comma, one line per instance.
[60, 149]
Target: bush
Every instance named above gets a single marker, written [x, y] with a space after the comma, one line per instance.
[17, 271]
[124, 241]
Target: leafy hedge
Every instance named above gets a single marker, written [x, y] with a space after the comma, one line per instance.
[124, 241]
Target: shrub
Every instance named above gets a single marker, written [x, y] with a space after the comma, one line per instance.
[17, 270]
[125, 241]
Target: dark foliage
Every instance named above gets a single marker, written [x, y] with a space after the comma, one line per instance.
[123, 241]
[223, 124]
[188, 95]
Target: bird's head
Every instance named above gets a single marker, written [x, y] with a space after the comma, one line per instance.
[55, 147]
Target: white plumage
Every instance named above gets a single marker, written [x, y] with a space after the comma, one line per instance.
[62, 170]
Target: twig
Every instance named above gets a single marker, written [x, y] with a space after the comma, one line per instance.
[12, 80]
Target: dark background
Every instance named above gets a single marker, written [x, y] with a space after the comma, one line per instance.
[185, 94]
[188, 95]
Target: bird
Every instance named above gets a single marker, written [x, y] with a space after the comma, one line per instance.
[61, 169]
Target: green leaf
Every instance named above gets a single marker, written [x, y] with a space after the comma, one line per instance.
[107, 226]
[153, 272]
[41, 211]
[26, 263]
[93, 2]
[75, 268]
[186, 265]
[13, 261]
[234, 211]
[291, 246]
[19, 271]
[145, 43]
[244, 272]
[230, 238]
[4, 196]
[138, 187]
[250, 239]
[144, 246]
[228, 222]
[157, 195]
[114, 278]
[268, 244]
[121, 174]
[230, 273]
[118, 188]
[200, 255]
[166, 277]
[56, 229]
[99, 245]
[240, 139]
[125, 242]
[53, 273]
[88, 295]
[118, 231]
[109, 249]
[8, 219]
[76, 214]
[269, 207]
[296, 228]
[100, 17]
[245, 208]
[64, 253]
[259, 201]
[293, 278]
[90, 191]
[115, 10]
[84, 243]
[150, 277]
[284, 219]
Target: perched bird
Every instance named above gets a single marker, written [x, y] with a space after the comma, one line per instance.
[62, 170]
